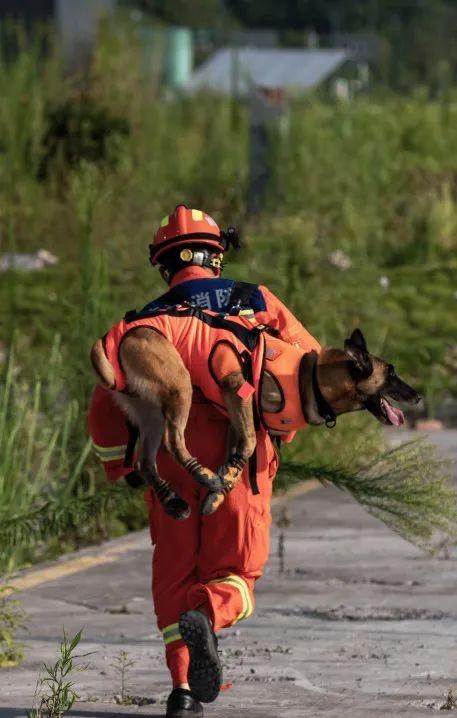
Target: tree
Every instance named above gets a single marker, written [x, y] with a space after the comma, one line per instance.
[190, 13]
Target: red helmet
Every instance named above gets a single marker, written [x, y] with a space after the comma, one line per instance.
[185, 227]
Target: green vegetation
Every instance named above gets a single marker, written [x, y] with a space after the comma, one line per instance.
[374, 180]
[55, 693]
[11, 620]
[406, 488]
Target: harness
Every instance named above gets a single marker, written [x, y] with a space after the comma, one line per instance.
[242, 297]
[258, 348]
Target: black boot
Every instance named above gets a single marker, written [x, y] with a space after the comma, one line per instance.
[181, 704]
[205, 670]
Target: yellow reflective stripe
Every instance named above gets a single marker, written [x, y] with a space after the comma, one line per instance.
[197, 215]
[109, 453]
[237, 581]
[106, 459]
[164, 222]
[108, 449]
[171, 633]
[110, 457]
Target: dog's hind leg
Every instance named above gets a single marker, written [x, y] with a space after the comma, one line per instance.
[241, 417]
[151, 434]
[156, 373]
[176, 415]
[149, 420]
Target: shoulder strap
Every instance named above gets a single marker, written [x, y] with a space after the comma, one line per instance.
[241, 294]
[248, 337]
[170, 299]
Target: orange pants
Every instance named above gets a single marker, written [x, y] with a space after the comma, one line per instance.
[209, 560]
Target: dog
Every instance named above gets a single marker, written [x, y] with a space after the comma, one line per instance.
[158, 384]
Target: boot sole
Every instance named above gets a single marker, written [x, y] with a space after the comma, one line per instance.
[205, 670]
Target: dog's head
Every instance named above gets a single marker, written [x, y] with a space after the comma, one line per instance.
[355, 379]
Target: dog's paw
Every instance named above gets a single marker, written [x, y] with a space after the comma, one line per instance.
[212, 502]
[209, 480]
[177, 508]
[229, 476]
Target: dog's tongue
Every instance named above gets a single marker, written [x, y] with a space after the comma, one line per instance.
[395, 416]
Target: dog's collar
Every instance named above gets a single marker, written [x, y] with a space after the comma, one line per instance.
[323, 407]
[315, 407]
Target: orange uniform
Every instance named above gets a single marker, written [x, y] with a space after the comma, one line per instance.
[198, 335]
[212, 560]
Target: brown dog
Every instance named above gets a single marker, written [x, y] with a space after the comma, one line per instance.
[158, 396]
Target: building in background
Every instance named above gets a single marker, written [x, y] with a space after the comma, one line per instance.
[237, 70]
[264, 77]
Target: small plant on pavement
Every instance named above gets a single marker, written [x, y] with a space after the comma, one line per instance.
[122, 664]
[450, 703]
[282, 522]
[11, 619]
[55, 693]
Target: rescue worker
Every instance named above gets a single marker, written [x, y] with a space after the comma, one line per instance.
[205, 567]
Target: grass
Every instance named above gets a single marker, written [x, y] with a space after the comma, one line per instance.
[375, 179]
[407, 488]
[12, 619]
[56, 694]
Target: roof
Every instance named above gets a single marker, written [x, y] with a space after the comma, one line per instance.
[240, 68]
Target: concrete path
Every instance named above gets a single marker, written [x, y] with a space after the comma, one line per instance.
[361, 624]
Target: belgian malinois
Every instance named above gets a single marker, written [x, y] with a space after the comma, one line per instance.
[159, 394]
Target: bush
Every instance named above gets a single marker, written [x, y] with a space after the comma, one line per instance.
[80, 130]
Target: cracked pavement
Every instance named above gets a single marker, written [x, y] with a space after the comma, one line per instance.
[360, 624]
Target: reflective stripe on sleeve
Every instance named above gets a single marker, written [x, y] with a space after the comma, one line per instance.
[109, 453]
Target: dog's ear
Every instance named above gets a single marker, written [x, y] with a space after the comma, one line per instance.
[356, 349]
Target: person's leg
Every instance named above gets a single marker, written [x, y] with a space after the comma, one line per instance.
[233, 551]
[177, 542]
[234, 546]
[174, 566]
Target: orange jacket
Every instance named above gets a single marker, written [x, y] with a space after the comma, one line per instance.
[197, 333]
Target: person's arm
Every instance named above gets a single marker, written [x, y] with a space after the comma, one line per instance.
[290, 329]
[109, 433]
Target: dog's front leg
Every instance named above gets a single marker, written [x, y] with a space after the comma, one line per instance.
[241, 415]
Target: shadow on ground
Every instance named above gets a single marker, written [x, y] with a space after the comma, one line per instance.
[22, 712]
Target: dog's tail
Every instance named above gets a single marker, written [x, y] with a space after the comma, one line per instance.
[102, 366]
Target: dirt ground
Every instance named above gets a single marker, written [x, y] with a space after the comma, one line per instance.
[360, 623]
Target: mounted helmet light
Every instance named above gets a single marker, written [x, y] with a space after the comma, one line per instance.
[201, 241]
